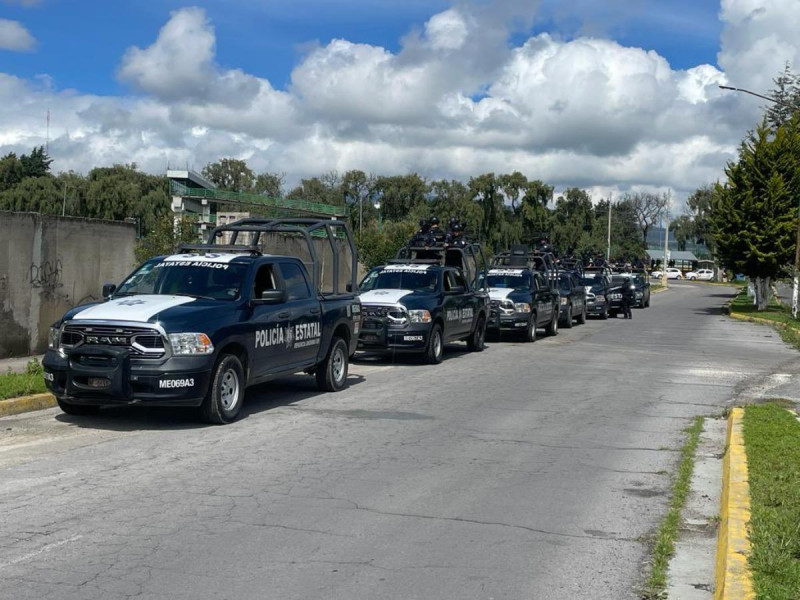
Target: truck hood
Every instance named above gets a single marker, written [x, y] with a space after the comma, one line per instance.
[137, 309]
[500, 293]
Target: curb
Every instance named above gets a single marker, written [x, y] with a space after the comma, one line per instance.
[14, 406]
[741, 317]
[734, 581]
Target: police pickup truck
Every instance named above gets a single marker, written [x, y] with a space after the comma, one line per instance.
[197, 328]
[423, 300]
[522, 298]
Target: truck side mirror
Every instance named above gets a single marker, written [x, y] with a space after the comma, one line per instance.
[349, 287]
[271, 297]
[108, 289]
[457, 289]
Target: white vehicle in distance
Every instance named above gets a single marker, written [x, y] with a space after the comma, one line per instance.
[672, 273]
[701, 275]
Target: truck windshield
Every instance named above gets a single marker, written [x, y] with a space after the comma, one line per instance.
[398, 279]
[564, 283]
[214, 281]
[521, 281]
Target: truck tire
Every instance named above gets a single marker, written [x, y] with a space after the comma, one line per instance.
[568, 320]
[604, 316]
[552, 327]
[582, 318]
[435, 349]
[79, 410]
[331, 373]
[225, 394]
[530, 332]
[477, 341]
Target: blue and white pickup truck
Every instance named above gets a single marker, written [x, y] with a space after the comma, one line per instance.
[197, 328]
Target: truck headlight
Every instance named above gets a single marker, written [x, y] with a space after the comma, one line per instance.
[54, 338]
[190, 343]
[522, 307]
[419, 316]
[563, 301]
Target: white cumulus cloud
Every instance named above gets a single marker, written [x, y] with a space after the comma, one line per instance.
[457, 99]
[14, 36]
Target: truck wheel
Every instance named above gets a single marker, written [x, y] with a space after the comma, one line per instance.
[78, 410]
[568, 321]
[225, 392]
[530, 332]
[552, 328]
[582, 318]
[435, 350]
[604, 316]
[476, 342]
[332, 372]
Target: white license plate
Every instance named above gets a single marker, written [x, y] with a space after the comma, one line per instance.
[98, 382]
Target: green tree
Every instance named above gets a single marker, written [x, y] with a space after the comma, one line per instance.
[165, 237]
[357, 189]
[325, 189]
[452, 200]
[513, 186]
[399, 195]
[573, 222]
[11, 171]
[699, 205]
[230, 174]
[377, 246]
[269, 184]
[754, 213]
[684, 230]
[786, 97]
[35, 164]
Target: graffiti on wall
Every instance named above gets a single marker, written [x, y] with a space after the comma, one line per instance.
[46, 276]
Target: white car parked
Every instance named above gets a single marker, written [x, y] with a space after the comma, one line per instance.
[672, 273]
[701, 275]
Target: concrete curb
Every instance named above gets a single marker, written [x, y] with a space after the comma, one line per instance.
[741, 317]
[734, 581]
[14, 406]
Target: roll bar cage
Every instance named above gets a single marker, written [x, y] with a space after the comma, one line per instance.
[307, 228]
[459, 257]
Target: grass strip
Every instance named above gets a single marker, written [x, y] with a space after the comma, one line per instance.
[778, 315]
[664, 543]
[31, 381]
[772, 441]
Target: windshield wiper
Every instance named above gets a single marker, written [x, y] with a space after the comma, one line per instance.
[194, 296]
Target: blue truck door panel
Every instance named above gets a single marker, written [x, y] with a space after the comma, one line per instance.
[268, 325]
[305, 316]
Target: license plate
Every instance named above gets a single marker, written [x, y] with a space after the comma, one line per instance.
[98, 382]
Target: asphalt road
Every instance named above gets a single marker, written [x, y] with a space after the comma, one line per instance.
[527, 471]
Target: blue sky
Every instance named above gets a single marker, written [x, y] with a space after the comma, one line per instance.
[80, 43]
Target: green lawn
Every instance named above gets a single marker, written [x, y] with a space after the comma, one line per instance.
[781, 316]
[23, 384]
[772, 439]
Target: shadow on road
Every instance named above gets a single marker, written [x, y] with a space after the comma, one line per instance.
[404, 358]
[260, 398]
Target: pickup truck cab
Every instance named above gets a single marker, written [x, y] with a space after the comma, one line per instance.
[198, 327]
[597, 290]
[417, 305]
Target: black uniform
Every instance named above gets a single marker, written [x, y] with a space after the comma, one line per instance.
[628, 298]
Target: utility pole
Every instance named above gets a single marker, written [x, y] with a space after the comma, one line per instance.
[664, 278]
[608, 244]
[64, 202]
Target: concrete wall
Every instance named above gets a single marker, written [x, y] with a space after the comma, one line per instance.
[51, 264]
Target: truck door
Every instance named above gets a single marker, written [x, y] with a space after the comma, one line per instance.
[458, 310]
[268, 324]
[542, 299]
[305, 335]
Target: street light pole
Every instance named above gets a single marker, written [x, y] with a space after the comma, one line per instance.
[664, 277]
[796, 277]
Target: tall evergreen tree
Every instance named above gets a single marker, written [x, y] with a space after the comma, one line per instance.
[754, 214]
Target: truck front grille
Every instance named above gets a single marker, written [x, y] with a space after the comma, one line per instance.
[142, 342]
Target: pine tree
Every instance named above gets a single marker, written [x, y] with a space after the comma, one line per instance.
[754, 214]
[786, 96]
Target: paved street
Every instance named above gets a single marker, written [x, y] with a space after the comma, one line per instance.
[527, 471]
